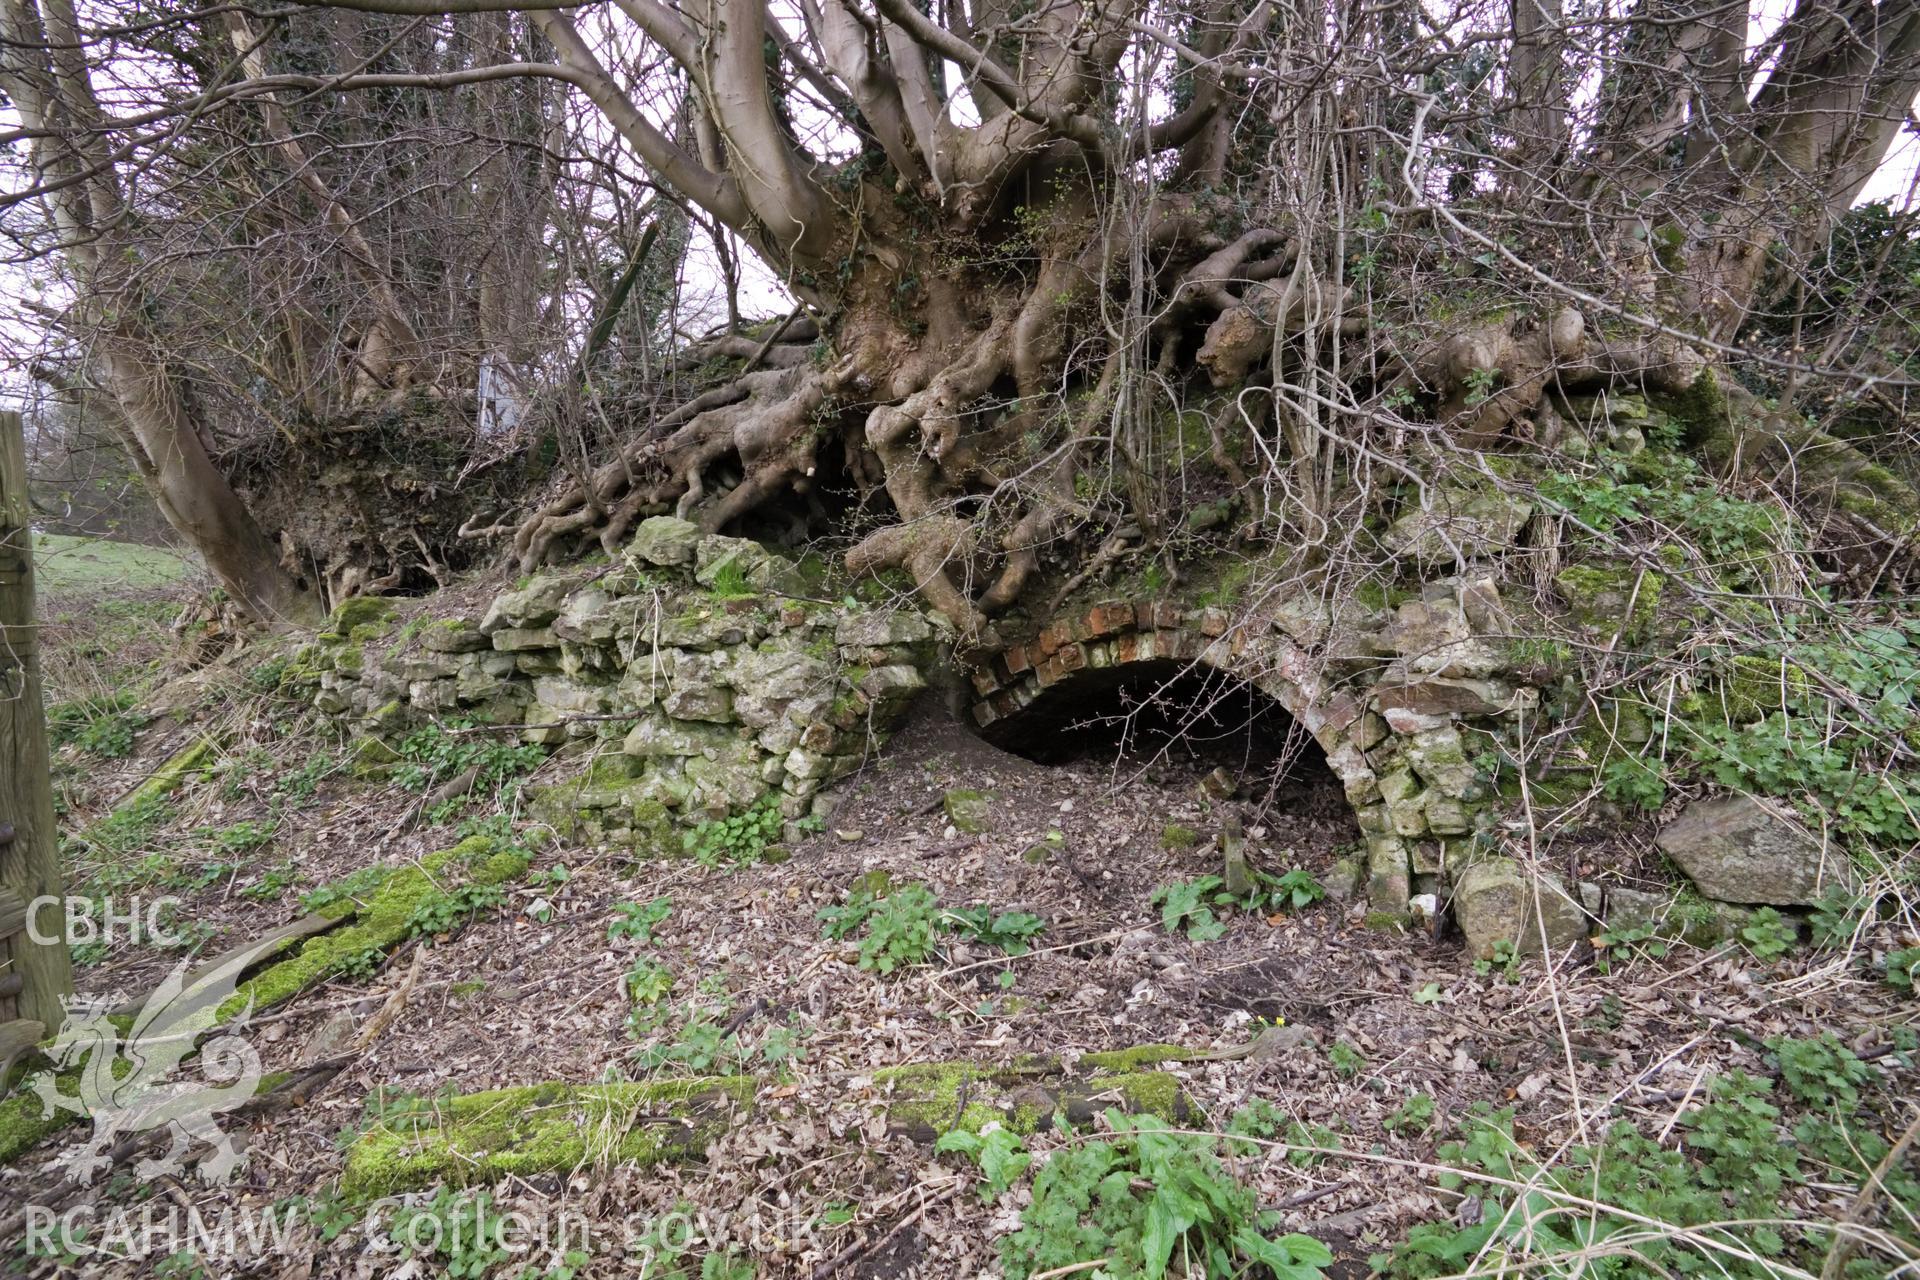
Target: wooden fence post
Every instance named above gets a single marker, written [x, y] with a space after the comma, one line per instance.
[33, 976]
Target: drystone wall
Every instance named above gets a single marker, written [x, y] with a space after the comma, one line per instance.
[694, 677]
[697, 674]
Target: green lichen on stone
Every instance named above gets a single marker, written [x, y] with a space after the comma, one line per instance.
[1598, 598]
[371, 758]
[544, 1128]
[1174, 837]
[1619, 727]
[611, 768]
[556, 806]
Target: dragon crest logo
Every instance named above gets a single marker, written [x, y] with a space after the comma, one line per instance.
[125, 1084]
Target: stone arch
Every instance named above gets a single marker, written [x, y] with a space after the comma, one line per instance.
[1117, 635]
[1390, 733]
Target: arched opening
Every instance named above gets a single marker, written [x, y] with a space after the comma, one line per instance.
[1166, 721]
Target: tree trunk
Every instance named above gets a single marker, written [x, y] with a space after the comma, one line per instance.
[194, 494]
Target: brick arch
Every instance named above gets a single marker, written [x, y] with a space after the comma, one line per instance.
[1119, 634]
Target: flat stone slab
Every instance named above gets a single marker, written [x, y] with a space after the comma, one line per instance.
[1739, 849]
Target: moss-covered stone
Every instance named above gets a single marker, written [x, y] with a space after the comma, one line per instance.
[970, 812]
[1174, 837]
[371, 758]
[361, 611]
[611, 768]
[545, 1128]
[1755, 686]
[1610, 600]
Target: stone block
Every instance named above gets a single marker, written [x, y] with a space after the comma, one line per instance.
[1108, 619]
[664, 541]
[1447, 816]
[590, 616]
[453, 635]
[1469, 523]
[1438, 756]
[524, 639]
[433, 695]
[1388, 879]
[1497, 900]
[1447, 696]
[881, 628]
[1741, 849]
[529, 607]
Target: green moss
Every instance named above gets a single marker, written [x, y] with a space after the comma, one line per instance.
[1701, 410]
[611, 768]
[366, 633]
[1560, 787]
[1174, 837]
[22, 1124]
[938, 1097]
[380, 923]
[371, 758]
[1140, 1055]
[361, 611]
[1618, 728]
[545, 1128]
[1598, 598]
[1757, 685]
[170, 775]
[1154, 1092]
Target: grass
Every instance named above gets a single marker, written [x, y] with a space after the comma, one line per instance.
[67, 565]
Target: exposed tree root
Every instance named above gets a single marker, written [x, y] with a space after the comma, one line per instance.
[978, 421]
